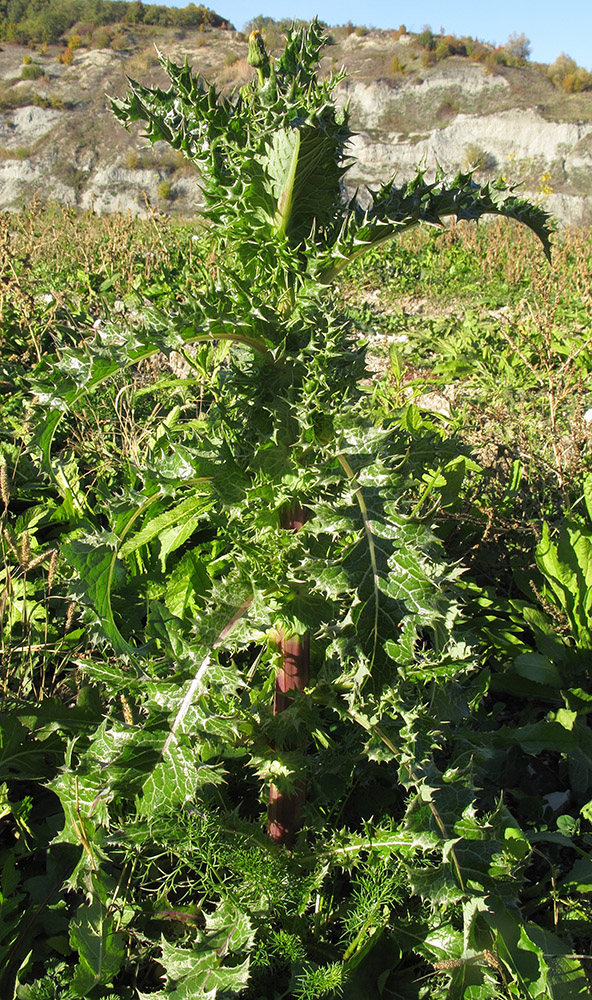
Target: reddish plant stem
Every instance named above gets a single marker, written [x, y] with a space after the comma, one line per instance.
[285, 810]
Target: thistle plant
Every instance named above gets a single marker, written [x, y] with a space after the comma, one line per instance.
[272, 161]
[270, 606]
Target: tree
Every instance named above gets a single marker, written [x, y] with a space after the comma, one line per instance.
[518, 46]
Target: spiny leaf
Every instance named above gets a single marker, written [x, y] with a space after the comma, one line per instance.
[201, 971]
[22, 758]
[395, 210]
[174, 779]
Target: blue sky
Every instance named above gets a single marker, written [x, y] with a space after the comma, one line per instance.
[553, 27]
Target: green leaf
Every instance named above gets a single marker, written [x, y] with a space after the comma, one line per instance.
[305, 176]
[23, 758]
[186, 585]
[174, 778]
[99, 572]
[52, 715]
[100, 947]
[172, 526]
[587, 489]
[538, 668]
[201, 971]
[567, 566]
[395, 210]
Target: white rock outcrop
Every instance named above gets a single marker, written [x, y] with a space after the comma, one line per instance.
[65, 146]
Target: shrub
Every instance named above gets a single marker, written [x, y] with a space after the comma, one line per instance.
[19, 153]
[140, 62]
[566, 74]
[11, 98]
[397, 67]
[450, 45]
[426, 39]
[446, 110]
[171, 159]
[101, 39]
[121, 41]
[479, 51]
[52, 102]
[497, 57]
[165, 191]
[573, 83]
[66, 57]
[32, 71]
[476, 158]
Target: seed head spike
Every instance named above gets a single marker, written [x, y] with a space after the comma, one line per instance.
[4, 485]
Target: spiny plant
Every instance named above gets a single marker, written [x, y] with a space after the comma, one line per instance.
[262, 554]
[272, 164]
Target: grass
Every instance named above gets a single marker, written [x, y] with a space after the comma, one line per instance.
[473, 310]
[18, 153]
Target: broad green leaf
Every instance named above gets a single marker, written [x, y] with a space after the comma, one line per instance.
[52, 715]
[538, 668]
[579, 878]
[567, 566]
[305, 176]
[174, 537]
[99, 572]
[587, 489]
[100, 947]
[84, 799]
[174, 779]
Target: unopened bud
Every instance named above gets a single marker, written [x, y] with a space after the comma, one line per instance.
[257, 55]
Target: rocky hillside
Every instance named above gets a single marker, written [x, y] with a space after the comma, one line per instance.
[58, 139]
